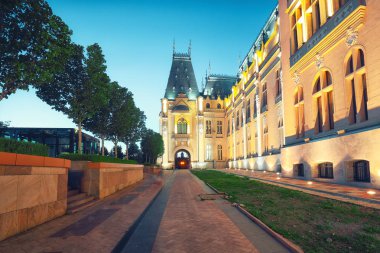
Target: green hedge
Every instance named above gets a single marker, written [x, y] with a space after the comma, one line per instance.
[95, 158]
[20, 147]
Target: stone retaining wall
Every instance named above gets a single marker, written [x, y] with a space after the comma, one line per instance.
[33, 190]
[103, 179]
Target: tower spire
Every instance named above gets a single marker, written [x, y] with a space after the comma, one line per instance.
[173, 46]
[189, 49]
[209, 67]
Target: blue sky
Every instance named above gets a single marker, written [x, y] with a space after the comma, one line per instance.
[136, 37]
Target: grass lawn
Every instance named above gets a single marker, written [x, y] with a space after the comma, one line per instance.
[315, 224]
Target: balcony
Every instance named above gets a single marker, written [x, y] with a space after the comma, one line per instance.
[345, 11]
[181, 136]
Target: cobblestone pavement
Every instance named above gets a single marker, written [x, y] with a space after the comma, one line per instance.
[191, 225]
[96, 229]
[355, 195]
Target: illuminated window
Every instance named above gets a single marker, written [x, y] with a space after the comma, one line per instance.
[299, 112]
[356, 83]
[182, 126]
[208, 152]
[208, 126]
[220, 152]
[323, 102]
[325, 170]
[219, 127]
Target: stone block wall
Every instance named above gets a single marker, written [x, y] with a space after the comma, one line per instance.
[30, 194]
[103, 179]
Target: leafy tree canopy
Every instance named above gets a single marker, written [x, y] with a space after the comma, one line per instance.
[33, 44]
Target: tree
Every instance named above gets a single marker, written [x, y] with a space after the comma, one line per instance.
[33, 44]
[135, 129]
[152, 146]
[96, 68]
[121, 106]
[72, 92]
[119, 153]
[134, 152]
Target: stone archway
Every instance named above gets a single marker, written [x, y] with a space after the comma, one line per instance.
[182, 159]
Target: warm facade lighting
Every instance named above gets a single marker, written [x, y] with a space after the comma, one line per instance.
[309, 182]
[371, 192]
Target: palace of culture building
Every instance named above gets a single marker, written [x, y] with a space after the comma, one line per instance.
[305, 102]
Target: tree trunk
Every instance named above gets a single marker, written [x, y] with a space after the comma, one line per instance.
[115, 143]
[102, 137]
[80, 137]
[126, 151]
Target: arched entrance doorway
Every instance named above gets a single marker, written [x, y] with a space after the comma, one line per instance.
[182, 159]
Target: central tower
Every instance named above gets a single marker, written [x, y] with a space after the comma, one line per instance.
[191, 122]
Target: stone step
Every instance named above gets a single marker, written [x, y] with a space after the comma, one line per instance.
[80, 201]
[72, 193]
[76, 197]
[81, 207]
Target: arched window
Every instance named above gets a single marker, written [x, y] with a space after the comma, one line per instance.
[356, 86]
[299, 112]
[182, 126]
[208, 106]
[219, 106]
[323, 102]
[220, 152]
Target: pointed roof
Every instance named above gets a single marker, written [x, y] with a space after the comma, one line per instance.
[182, 78]
[218, 85]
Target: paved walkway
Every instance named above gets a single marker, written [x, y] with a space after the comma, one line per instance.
[96, 229]
[355, 195]
[178, 221]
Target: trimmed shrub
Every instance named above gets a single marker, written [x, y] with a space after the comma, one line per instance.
[95, 158]
[21, 147]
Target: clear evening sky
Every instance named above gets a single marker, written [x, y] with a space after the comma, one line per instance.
[137, 36]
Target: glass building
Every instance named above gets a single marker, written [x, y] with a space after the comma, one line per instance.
[59, 140]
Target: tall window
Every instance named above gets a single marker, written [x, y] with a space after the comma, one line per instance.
[254, 108]
[356, 83]
[265, 97]
[323, 102]
[208, 126]
[219, 106]
[266, 140]
[182, 126]
[278, 84]
[299, 112]
[248, 111]
[228, 127]
[208, 106]
[208, 152]
[281, 132]
[220, 152]
[325, 170]
[296, 28]
[361, 171]
[237, 120]
[219, 127]
[298, 170]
